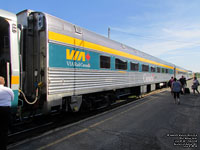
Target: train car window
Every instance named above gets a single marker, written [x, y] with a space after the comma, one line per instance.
[163, 70]
[134, 66]
[105, 62]
[120, 64]
[167, 71]
[145, 68]
[158, 69]
[153, 69]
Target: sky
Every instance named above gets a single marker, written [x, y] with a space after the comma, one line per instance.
[167, 29]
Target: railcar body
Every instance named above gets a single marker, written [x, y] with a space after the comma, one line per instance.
[9, 52]
[61, 65]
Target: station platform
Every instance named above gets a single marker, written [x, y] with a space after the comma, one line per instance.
[154, 122]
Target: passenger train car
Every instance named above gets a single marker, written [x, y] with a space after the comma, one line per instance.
[53, 64]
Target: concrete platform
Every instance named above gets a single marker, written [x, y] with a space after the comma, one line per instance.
[151, 123]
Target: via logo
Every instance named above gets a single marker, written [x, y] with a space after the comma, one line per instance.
[76, 55]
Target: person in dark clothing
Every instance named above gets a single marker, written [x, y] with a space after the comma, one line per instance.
[6, 96]
[183, 83]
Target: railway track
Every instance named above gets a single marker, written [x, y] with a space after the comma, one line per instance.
[38, 125]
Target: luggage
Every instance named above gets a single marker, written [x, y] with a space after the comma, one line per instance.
[187, 91]
[181, 92]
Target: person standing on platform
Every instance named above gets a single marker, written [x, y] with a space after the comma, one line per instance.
[176, 88]
[195, 85]
[170, 84]
[6, 96]
[183, 83]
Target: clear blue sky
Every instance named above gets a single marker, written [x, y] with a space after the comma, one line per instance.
[168, 29]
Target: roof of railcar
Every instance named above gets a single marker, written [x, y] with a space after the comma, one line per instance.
[8, 15]
[107, 42]
[101, 40]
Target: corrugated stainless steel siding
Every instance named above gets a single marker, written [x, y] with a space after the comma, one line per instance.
[81, 81]
[70, 81]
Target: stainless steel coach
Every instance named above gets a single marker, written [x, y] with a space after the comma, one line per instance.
[59, 65]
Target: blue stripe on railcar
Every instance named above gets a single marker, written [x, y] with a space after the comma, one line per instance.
[68, 57]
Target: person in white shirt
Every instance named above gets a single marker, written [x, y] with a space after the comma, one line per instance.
[6, 97]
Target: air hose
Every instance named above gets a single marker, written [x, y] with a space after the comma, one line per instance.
[30, 103]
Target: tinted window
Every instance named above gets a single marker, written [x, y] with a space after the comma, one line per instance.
[153, 69]
[120, 64]
[105, 62]
[167, 71]
[163, 70]
[158, 69]
[145, 68]
[134, 66]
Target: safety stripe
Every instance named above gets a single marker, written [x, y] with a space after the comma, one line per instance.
[15, 80]
[77, 42]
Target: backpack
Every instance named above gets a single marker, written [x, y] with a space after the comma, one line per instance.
[176, 86]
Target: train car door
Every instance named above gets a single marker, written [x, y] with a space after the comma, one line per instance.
[5, 50]
[9, 58]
